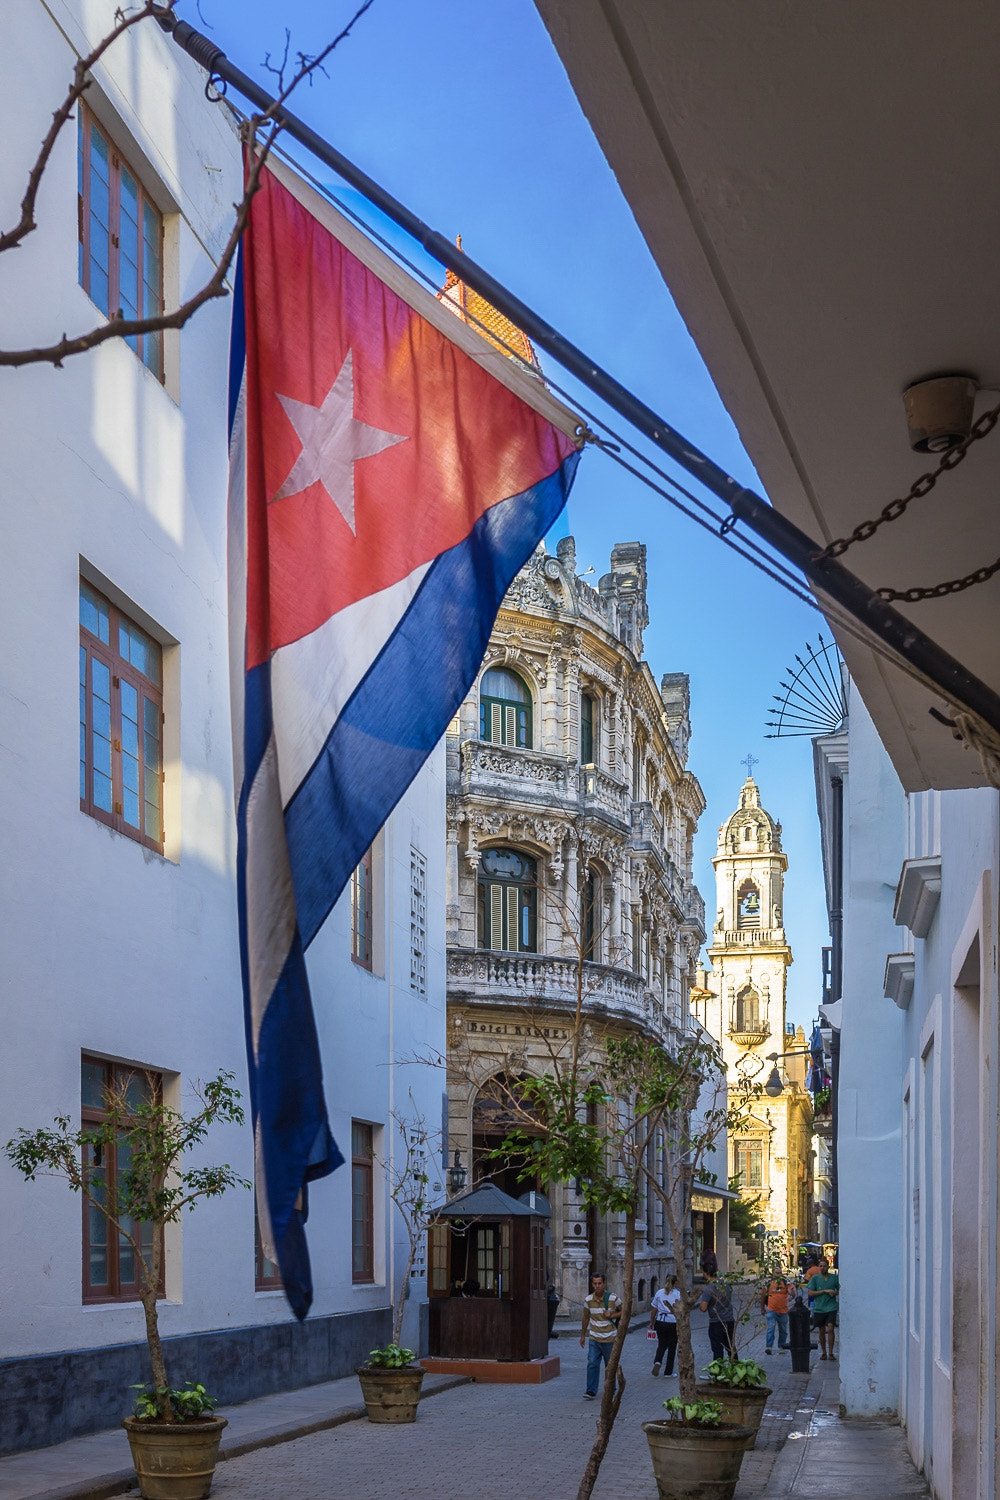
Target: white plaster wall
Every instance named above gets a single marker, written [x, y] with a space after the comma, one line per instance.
[949, 1395]
[107, 946]
[869, 1150]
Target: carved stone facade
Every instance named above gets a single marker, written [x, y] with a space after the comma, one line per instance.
[743, 1007]
[571, 816]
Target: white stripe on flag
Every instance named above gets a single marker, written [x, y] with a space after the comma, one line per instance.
[313, 678]
[270, 901]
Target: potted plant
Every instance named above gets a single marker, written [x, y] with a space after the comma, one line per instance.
[390, 1384]
[738, 1386]
[174, 1433]
[390, 1380]
[695, 1454]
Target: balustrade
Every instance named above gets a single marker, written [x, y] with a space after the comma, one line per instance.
[536, 979]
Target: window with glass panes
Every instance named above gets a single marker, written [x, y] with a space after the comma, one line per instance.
[588, 730]
[504, 709]
[748, 1161]
[267, 1276]
[121, 238]
[121, 721]
[111, 1270]
[591, 893]
[361, 912]
[362, 1202]
[507, 901]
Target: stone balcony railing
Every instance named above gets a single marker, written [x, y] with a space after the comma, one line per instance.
[603, 793]
[540, 982]
[531, 773]
[750, 937]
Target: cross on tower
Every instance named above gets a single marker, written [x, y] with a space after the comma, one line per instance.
[750, 761]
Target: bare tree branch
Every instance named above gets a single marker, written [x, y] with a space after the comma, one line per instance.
[260, 133]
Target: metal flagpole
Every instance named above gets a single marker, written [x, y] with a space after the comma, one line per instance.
[829, 577]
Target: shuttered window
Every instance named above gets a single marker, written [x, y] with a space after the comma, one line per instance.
[504, 709]
[508, 901]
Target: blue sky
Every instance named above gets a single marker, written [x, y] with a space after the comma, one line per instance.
[463, 112]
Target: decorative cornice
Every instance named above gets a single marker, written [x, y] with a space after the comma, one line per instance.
[899, 974]
[918, 894]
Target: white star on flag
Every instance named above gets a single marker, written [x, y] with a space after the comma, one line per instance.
[332, 438]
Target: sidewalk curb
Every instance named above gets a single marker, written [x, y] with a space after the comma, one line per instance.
[122, 1481]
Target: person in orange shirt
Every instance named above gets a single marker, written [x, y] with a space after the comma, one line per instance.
[774, 1302]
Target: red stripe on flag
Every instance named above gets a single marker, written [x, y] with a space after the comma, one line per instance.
[469, 441]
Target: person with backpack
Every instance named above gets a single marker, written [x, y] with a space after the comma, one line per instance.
[775, 1303]
[601, 1313]
[717, 1301]
[664, 1324]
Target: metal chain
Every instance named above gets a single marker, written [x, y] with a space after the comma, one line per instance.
[940, 590]
[918, 489]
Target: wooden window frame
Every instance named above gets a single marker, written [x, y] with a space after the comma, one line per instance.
[119, 669]
[147, 346]
[744, 1170]
[362, 1203]
[362, 946]
[267, 1274]
[90, 1114]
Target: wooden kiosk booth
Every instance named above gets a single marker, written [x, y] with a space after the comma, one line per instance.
[487, 1285]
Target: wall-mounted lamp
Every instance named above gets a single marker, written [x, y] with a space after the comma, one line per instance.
[457, 1174]
[939, 412]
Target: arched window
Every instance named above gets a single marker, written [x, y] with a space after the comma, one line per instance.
[508, 901]
[747, 1016]
[504, 709]
[748, 905]
[590, 737]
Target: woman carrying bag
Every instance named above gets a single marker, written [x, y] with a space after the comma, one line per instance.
[664, 1324]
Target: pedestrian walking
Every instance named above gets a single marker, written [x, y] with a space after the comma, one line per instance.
[601, 1312]
[825, 1291]
[717, 1301]
[775, 1303]
[664, 1324]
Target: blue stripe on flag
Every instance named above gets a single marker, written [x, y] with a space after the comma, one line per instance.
[403, 705]
[295, 1137]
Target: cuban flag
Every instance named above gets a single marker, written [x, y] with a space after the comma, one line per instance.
[390, 473]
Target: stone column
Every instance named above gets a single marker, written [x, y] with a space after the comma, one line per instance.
[453, 911]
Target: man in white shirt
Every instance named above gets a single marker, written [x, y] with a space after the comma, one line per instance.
[663, 1322]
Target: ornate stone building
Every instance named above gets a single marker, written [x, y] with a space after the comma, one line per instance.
[743, 1006]
[571, 816]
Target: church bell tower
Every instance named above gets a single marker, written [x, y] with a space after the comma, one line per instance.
[745, 1011]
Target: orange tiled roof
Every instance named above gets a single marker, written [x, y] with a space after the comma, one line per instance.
[481, 315]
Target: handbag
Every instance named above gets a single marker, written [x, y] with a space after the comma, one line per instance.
[651, 1334]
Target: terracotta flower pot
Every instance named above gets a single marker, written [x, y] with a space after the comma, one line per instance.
[696, 1463]
[391, 1395]
[175, 1460]
[742, 1406]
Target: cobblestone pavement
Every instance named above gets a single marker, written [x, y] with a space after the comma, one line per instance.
[495, 1442]
[502, 1442]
